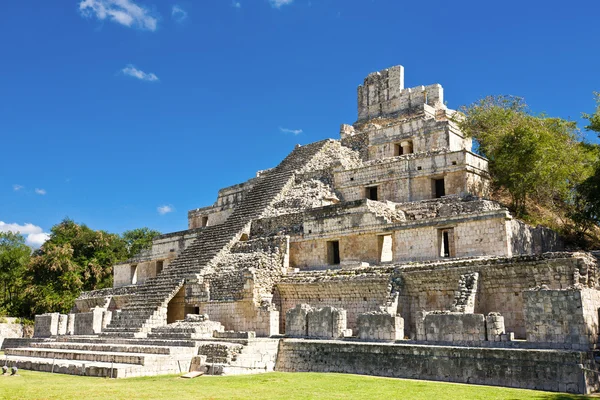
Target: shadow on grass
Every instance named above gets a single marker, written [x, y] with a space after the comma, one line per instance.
[562, 396]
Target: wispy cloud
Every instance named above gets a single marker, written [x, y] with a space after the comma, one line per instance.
[178, 13]
[34, 235]
[236, 4]
[132, 71]
[292, 131]
[124, 12]
[162, 210]
[40, 191]
[16, 187]
[279, 3]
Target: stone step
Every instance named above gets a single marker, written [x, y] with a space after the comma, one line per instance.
[83, 355]
[70, 367]
[131, 342]
[98, 369]
[111, 347]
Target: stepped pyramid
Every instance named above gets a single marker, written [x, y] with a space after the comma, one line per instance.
[148, 306]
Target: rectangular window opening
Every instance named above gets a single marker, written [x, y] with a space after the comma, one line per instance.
[385, 248]
[204, 221]
[333, 252]
[159, 267]
[371, 193]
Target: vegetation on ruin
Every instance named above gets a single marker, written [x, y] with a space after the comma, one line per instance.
[276, 385]
[76, 258]
[539, 165]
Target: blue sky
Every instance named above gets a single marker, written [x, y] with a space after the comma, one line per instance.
[127, 113]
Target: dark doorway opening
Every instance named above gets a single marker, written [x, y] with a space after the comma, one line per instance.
[333, 252]
[372, 193]
[440, 188]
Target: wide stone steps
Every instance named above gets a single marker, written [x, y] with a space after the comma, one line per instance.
[106, 347]
[83, 355]
[96, 356]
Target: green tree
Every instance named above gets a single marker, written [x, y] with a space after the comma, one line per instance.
[587, 198]
[14, 257]
[74, 259]
[531, 156]
[138, 239]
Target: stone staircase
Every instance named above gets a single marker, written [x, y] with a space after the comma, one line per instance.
[148, 307]
[132, 357]
[101, 357]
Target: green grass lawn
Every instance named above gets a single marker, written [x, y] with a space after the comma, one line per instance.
[276, 385]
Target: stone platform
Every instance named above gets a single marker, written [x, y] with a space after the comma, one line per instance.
[551, 370]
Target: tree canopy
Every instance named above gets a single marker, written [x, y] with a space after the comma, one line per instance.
[75, 258]
[531, 156]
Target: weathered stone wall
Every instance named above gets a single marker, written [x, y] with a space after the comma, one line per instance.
[248, 271]
[450, 327]
[10, 329]
[296, 321]
[88, 323]
[327, 323]
[409, 177]
[432, 286]
[529, 369]
[383, 93]
[353, 291]
[243, 316]
[380, 326]
[46, 325]
[565, 318]
[525, 239]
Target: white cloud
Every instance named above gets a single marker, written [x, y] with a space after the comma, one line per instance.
[34, 235]
[130, 70]
[16, 187]
[293, 131]
[40, 191]
[124, 12]
[162, 210]
[279, 3]
[36, 239]
[178, 13]
[236, 4]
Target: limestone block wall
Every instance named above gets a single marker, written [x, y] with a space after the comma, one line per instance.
[380, 326]
[565, 318]
[383, 94]
[243, 316]
[475, 237]
[46, 325]
[88, 323]
[424, 134]
[409, 178]
[528, 369]
[10, 329]
[296, 321]
[327, 323]
[525, 239]
[350, 290]
[432, 286]
[452, 327]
